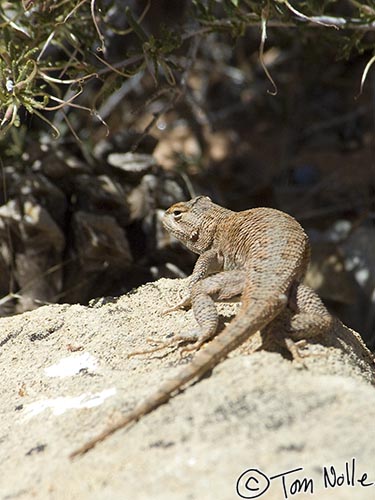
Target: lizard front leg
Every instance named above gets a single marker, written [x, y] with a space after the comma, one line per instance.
[208, 262]
[219, 287]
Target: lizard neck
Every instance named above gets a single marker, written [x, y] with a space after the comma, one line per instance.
[207, 223]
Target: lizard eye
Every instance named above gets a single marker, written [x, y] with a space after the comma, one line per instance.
[177, 214]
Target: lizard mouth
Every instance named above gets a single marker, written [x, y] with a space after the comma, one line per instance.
[171, 227]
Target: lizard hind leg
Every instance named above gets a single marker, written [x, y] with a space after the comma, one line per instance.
[308, 318]
[311, 317]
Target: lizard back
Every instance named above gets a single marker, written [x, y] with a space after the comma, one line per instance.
[265, 242]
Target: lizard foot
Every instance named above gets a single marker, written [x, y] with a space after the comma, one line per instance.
[174, 341]
[149, 351]
[184, 302]
[193, 348]
[196, 337]
[295, 349]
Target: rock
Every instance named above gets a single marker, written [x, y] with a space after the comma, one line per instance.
[66, 377]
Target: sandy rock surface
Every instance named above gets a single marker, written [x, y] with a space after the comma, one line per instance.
[66, 376]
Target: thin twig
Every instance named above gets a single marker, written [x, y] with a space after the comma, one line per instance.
[261, 50]
[364, 74]
[101, 37]
[303, 17]
[313, 22]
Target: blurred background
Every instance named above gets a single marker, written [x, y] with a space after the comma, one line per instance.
[111, 111]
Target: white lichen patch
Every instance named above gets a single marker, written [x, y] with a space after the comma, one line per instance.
[60, 405]
[67, 367]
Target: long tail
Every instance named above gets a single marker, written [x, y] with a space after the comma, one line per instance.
[248, 321]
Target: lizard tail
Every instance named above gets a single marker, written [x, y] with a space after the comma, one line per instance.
[249, 320]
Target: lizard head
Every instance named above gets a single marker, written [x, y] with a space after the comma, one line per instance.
[191, 223]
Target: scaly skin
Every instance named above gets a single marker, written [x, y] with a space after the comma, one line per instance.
[261, 254]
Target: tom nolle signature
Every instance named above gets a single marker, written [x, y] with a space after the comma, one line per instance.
[253, 483]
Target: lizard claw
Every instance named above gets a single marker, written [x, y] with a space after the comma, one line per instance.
[294, 347]
[159, 347]
[295, 350]
[199, 340]
[192, 348]
[184, 302]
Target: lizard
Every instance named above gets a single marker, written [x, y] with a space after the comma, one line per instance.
[261, 255]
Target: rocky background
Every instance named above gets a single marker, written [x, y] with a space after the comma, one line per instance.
[80, 215]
